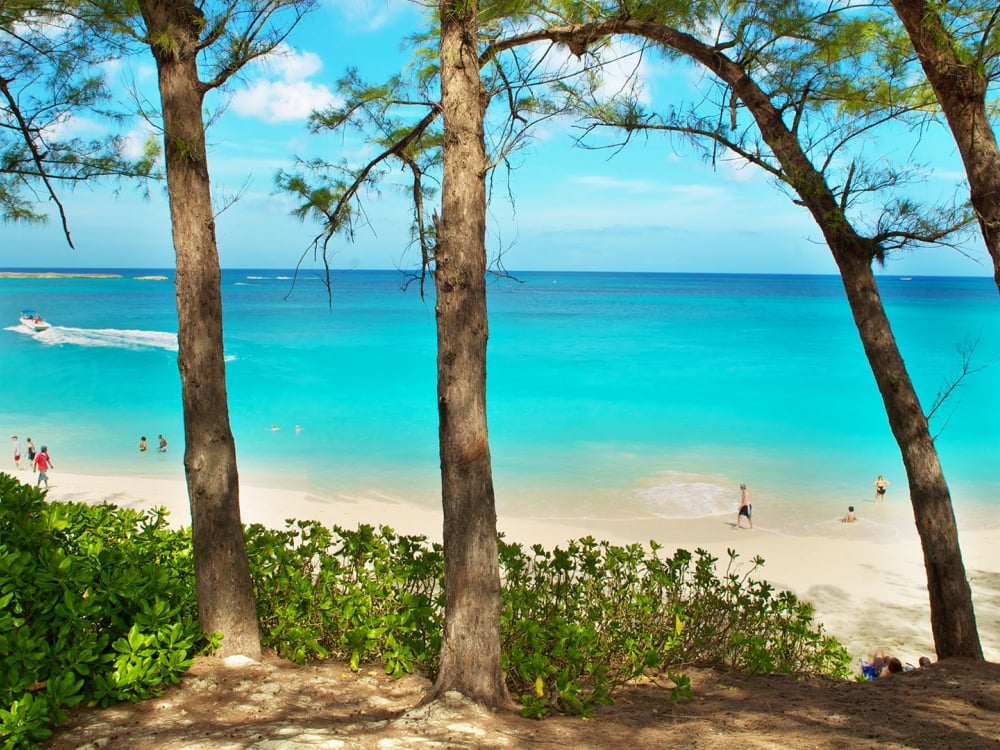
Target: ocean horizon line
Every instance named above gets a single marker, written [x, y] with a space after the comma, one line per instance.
[508, 274]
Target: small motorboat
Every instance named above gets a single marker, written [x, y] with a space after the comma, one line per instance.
[34, 321]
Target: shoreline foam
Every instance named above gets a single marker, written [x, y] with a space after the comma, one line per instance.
[870, 595]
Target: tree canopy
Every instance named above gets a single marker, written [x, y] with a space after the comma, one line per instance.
[51, 82]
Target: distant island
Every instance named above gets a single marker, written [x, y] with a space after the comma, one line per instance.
[150, 278]
[49, 275]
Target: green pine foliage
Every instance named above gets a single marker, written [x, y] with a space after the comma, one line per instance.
[97, 606]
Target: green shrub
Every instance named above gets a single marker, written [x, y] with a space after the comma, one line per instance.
[581, 621]
[361, 596]
[576, 622]
[96, 607]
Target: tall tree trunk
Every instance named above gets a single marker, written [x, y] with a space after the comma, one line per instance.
[960, 87]
[470, 651]
[953, 620]
[222, 573]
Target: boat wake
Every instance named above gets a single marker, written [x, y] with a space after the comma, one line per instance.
[102, 337]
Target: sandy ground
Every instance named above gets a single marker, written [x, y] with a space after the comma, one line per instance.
[871, 595]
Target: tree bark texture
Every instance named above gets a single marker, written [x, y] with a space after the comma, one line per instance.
[960, 88]
[222, 573]
[470, 651]
[953, 621]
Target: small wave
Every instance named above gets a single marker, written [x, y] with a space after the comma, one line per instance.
[108, 337]
[257, 278]
[675, 495]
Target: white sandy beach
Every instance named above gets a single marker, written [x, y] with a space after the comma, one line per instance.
[870, 594]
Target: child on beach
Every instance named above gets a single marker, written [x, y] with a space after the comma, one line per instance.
[850, 517]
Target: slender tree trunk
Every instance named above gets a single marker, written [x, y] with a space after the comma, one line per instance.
[223, 585]
[470, 651]
[953, 620]
[961, 89]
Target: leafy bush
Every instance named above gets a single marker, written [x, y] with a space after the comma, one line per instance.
[96, 607]
[576, 622]
[361, 596]
[579, 622]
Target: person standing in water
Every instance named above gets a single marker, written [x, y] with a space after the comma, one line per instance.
[142, 444]
[745, 508]
[163, 444]
[880, 484]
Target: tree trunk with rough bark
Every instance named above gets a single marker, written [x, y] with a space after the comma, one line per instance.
[222, 572]
[960, 88]
[470, 651]
[953, 620]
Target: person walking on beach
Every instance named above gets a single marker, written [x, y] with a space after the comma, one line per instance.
[880, 484]
[163, 444]
[42, 464]
[17, 451]
[142, 444]
[745, 508]
[30, 452]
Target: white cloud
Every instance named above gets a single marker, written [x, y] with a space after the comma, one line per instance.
[616, 183]
[290, 65]
[292, 97]
[135, 140]
[624, 67]
[372, 15]
[278, 101]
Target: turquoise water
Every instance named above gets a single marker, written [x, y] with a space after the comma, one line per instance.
[609, 395]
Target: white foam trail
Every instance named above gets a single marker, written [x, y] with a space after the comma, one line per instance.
[675, 495]
[107, 337]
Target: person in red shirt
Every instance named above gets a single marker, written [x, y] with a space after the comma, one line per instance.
[42, 464]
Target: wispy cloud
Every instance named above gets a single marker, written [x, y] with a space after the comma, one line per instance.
[283, 93]
[372, 15]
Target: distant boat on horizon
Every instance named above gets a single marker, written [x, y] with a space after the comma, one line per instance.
[34, 321]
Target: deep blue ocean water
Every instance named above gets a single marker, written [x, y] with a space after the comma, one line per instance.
[609, 394]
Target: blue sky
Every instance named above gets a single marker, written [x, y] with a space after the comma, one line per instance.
[646, 208]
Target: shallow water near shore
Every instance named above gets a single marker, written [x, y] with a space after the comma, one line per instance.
[610, 395]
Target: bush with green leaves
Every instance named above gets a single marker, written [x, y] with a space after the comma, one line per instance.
[361, 596]
[576, 622]
[96, 607]
[579, 622]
